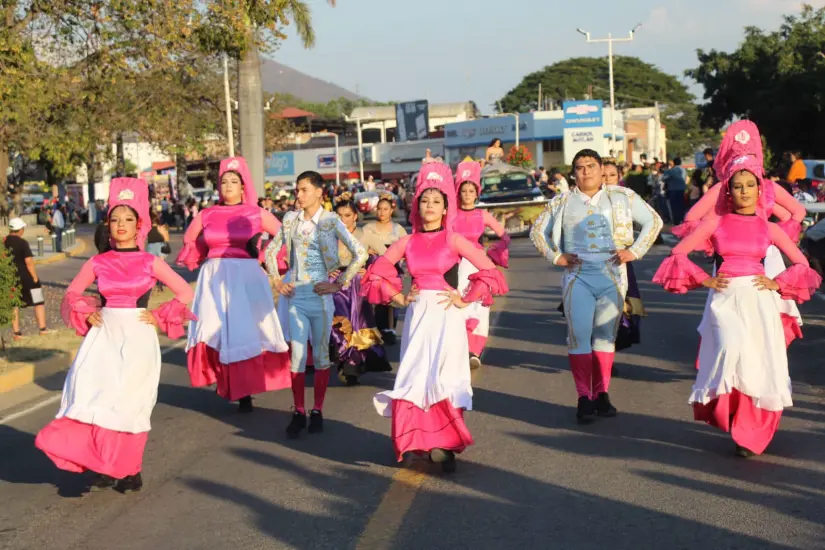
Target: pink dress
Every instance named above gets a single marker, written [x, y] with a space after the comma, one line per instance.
[111, 387]
[237, 342]
[471, 224]
[743, 384]
[432, 387]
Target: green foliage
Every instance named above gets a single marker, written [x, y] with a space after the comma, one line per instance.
[332, 110]
[776, 79]
[636, 84]
[9, 286]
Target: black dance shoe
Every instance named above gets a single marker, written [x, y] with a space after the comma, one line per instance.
[744, 452]
[129, 484]
[389, 337]
[102, 482]
[586, 412]
[604, 407]
[316, 421]
[475, 362]
[245, 405]
[299, 422]
[445, 458]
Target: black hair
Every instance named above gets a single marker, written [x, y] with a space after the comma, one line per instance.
[587, 153]
[805, 184]
[493, 142]
[132, 210]
[708, 151]
[758, 180]
[346, 204]
[102, 236]
[463, 183]
[443, 196]
[386, 200]
[316, 179]
[240, 177]
[677, 161]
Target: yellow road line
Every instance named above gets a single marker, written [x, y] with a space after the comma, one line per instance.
[386, 522]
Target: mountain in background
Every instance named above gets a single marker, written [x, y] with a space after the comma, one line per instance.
[278, 78]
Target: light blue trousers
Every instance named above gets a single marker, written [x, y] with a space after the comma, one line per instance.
[310, 318]
[593, 304]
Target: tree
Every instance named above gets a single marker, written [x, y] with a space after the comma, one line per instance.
[9, 289]
[776, 79]
[636, 84]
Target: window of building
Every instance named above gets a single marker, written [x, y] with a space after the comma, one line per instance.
[554, 145]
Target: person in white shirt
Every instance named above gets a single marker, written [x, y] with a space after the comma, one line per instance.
[58, 225]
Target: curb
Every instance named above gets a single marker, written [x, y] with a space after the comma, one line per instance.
[31, 372]
[78, 249]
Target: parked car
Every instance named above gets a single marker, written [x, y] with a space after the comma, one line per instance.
[366, 201]
[512, 195]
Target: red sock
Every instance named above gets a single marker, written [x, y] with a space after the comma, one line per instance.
[321, 383]
[298, 383]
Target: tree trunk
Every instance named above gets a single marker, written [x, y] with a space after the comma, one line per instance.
[182, 176]
[4, 182]
[120, 167]
[251, 115]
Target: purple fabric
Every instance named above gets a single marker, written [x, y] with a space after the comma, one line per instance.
[630, 327]
[349, 304]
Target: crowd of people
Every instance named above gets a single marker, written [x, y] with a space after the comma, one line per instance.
[276, 295]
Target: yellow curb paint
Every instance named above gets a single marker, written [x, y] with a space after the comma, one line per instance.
[386, 522]
[18, 377]
[80, 248]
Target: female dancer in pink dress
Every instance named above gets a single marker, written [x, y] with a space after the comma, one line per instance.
[787, 209]
[471, 223]
[110, 391]
[237, 341]
[743, 384]
[432, 388]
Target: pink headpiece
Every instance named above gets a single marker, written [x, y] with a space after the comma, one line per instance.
[468, 171]
[238, 164]
[741, 149]
[134, 193]
[435, 175]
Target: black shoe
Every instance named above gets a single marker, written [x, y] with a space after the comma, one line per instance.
[586, 412]
[604, 407]
[299, 422]
[445, 458]
[475, 362]
[389, 337]
[316, 421]
[245, 405]
[129, 484]
[743, 452]
[102, 482]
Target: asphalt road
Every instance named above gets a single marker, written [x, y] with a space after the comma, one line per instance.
[650, 478]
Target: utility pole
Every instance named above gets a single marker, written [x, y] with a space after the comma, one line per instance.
[610, 41]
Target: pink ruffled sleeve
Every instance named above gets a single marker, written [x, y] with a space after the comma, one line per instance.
[194, 251]
[172, 315]
[499, 251]
[792, 229]
[381, 282]
[798, 282]
[678, 274]
[704, 207]
[484, 285]
[75, 307]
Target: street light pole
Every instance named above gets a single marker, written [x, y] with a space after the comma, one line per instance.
[230, 132]
[610, 41]
[516, 116]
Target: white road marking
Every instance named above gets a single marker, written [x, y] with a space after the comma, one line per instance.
[55, 398]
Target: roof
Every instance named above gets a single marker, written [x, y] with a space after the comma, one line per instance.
[437, 110]
[294, 112]
[163, 165]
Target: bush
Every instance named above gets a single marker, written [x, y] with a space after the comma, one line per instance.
[9, 287]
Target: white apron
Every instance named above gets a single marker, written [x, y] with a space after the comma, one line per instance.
[743, 347]
[435, 358]
[113, 381]
[235, 311]
[475, 310]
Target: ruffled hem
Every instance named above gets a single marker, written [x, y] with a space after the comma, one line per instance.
[193, 254]
[770, 402]
[476, 344]
[77, 447]
[792, 229]
[380, 282]
[171, 317]
[678, 274]
[749, 426]
[268, 371]
[419, 431]
[799, 283]
[499, 253]
[75, 310]
[484, 285]
[791, 328]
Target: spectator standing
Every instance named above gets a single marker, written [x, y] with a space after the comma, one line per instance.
[31, 288]
[798, 170]
[58, 225]
[676, 181]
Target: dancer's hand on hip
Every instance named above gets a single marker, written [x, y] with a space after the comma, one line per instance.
[326, 288]
[762, 282]
[452, 298]
[622, 257]
[568, 260]
[95, 319]
[720, 282]
[284, 289]
[147, 317]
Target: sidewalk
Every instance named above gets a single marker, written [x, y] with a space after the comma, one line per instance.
[32, 232]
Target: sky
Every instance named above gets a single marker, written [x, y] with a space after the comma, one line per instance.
[445, 51]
